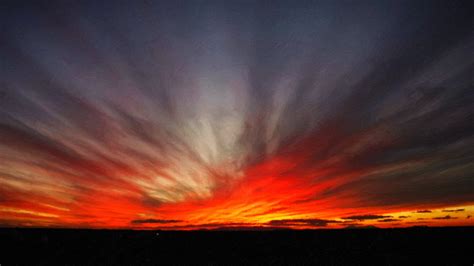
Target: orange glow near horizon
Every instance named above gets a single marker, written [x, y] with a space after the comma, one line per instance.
[268, 196]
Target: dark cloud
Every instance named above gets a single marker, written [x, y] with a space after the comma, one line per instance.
[216, 226]
[423, 211]
[456, 210]
[155, 221]
[403, 217]
[388, 220]
[366, 217]
[301, 222]
[447, 217]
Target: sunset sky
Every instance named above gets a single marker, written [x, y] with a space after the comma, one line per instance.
[202, 115]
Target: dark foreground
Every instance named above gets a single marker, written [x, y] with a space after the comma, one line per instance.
[423, 246]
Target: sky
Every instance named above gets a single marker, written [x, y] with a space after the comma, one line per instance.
[187, 115]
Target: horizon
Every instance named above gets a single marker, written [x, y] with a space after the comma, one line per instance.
[231, 229]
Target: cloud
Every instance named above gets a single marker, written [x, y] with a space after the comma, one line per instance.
[155, 221]
[424, 211]
[403, 217]
[456, 210]
[388, 220]
[366, 217]
[217, 226]
[447, 217]
[301, 222]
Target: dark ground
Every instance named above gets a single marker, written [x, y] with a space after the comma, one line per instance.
[412, 246]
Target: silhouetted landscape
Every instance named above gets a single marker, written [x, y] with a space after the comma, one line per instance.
[370, 246]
